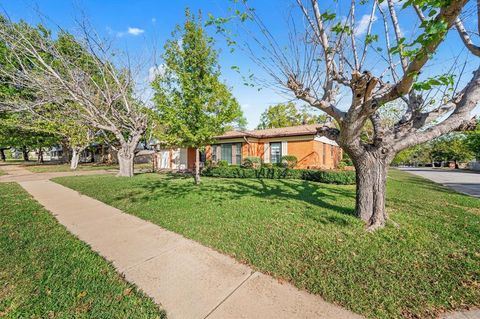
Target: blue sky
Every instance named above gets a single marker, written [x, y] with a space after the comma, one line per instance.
[135, 24]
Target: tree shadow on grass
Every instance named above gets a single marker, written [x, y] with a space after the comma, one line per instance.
[221, 190]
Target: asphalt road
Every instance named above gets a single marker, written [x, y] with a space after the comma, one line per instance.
[459, 180]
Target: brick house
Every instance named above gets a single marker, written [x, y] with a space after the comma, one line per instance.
[270, 145]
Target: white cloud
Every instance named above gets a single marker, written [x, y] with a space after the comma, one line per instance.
[154, 20]
[396, 3]
[154, 71]
[135, 31]
[362, 26]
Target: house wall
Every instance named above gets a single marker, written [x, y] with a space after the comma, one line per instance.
[307, 155]
[310, 152]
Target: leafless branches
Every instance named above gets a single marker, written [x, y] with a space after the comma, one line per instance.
[68, 70]
[337, 37]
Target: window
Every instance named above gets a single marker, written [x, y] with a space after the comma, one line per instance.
[275, 152]
[227, 153]
[238, 153]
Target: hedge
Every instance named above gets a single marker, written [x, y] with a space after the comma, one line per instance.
[329, 177]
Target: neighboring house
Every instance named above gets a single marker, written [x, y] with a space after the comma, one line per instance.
[311, 150]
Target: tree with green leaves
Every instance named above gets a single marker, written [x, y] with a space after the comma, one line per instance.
[473, 141]
[19, 131]
[193, 104]
[451, 148]
[351, 69]
[287, 114]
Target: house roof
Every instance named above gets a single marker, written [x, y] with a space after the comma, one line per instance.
[309, 129]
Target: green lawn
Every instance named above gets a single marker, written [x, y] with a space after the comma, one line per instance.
[47, 167]
[304, 232]
[45, 272]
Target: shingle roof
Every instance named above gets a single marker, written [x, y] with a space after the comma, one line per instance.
[309, 129]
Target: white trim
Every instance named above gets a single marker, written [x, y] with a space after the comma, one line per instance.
[267, 139]
[266, 152]
[284, 148]
[325, 140]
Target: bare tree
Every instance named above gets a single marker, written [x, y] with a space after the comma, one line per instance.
[77, 75]
[332, 57]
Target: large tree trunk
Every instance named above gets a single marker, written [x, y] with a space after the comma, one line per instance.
[25, 154]
[197, 166]
[126, 154]
[75, 159]
[3, 158]
[371, 176]
[40, 155]
[65, 152]
[76, 153]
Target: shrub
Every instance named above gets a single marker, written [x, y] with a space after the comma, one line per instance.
[330, 177]
[341, 165]
[222, 163]
[289, 161]
[267, 165]
[252, 162]
[347, 160]
[209, 163]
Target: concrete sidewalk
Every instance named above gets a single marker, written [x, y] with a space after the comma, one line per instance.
[18, 173]
[189, 280]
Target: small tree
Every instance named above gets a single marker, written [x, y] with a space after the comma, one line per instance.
[193, 104]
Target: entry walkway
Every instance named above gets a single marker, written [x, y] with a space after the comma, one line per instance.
[189, 280]
[18, 173]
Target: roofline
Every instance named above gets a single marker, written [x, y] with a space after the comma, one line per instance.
[260, 136]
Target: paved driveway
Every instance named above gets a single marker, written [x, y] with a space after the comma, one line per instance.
[459, 180]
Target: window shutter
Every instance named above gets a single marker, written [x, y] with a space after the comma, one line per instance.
[284, 148]
[266, 153]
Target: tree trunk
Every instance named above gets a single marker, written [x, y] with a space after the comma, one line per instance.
[371, 179]
[40, 155]
[25, 154]
[197, 166]
[75, 158]
[76, 154]
[92, 155]
[126, 155]
[3, 158]
[65, 152]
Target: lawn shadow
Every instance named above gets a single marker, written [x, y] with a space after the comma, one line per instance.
[315, 194]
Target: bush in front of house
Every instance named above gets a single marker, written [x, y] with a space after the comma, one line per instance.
[222, 163]
[289, 161]
[329, 177]
[252, 162]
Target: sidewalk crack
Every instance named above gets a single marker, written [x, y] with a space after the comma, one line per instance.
[230, 294]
